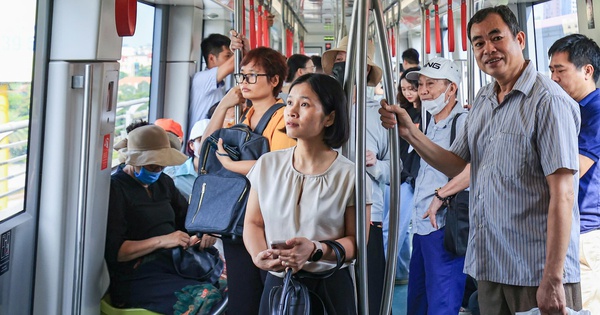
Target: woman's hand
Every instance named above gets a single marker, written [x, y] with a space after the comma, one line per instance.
[207, 241]
[177, 238]
[435, 205]
[266, 260]
[232, 98]
[298, 255]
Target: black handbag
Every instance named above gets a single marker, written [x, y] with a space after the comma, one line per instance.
[204, 265]
[456, 234]
[294, 298]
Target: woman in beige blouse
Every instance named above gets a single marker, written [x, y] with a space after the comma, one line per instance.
[305, 194]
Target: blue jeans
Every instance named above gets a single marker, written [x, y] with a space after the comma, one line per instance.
[406, 207]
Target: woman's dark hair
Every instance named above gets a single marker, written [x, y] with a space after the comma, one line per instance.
[503, 11]
[317, 62]
[333, 99]
[272, 62]
[404, 103]
[295, 62]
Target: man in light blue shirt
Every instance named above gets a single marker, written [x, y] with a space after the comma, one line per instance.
[436, 282]
[208, 87]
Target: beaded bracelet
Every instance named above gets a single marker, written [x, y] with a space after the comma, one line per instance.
[442, 199]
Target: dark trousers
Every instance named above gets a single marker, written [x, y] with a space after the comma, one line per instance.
[375, 267]
[244, 280]
[337, 292]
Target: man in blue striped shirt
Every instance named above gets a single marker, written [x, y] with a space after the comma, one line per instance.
[575, 66]
[521, 140]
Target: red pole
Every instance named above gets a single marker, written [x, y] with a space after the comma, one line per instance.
[252, 26]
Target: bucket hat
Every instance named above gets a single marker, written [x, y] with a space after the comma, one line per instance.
[328, 59]
[148, 145]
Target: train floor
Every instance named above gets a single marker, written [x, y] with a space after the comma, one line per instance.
[399, 302]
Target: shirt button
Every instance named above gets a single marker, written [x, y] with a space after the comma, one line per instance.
[481, 226]
[480, 196]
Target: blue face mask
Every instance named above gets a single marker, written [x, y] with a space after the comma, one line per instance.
[147, 177]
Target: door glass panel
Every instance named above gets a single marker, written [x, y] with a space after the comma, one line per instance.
[553, 20]
[17, 33]
[134, 75]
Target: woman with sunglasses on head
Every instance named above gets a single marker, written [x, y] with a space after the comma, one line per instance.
[259, 81]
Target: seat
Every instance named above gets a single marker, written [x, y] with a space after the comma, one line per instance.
[106, 308]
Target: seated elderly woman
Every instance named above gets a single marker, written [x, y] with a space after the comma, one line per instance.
[145, 221]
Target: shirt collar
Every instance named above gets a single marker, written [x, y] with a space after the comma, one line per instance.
[590, 97]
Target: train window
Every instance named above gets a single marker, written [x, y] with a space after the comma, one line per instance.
[553, 20]
[134, 77]
[17, 32]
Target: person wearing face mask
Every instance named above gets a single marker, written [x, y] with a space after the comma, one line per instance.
[146, 217]
[436, 281]
[377, 163]
[185, 174]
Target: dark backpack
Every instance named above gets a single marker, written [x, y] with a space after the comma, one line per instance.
[456, 232]
[219, 196]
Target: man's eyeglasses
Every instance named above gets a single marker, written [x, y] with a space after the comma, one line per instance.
[250, 77]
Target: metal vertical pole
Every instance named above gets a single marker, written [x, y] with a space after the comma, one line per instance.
[361, 96]
[238, 17]
[395, 166]
[82, 190]
[349, 76]
[424, 6]
[471, 67]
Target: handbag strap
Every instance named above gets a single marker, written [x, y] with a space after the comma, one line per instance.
[340, 255]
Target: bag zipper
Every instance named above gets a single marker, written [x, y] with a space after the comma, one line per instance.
[242, 195]
[199, 202]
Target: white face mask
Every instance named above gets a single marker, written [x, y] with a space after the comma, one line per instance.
[436, 105]
[197, 149]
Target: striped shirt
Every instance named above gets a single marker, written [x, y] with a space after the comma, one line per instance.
[512, 147]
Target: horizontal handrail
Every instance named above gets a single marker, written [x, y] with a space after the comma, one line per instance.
[24, 124]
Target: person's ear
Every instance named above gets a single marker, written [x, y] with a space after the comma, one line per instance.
[329, 119]
[275, 80]
[588, 71]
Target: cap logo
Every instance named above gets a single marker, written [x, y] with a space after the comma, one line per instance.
[433, 65]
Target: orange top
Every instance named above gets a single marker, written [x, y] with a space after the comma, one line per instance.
[278, 139]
